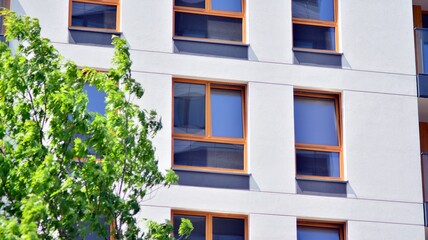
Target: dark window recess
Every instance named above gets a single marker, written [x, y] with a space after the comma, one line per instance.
[207, 154]
[199, 226]
[425, 20]
[228, 228]
[314, 37]
[93, 15]
[208, 27]
[314, 9]
[318, 233]
[189, 108]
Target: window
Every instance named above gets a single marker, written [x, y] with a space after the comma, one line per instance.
[93, 235]
[210, 19]
[315, 24]
[317, 135]
[3, 4]
[209, 126]
[212, 226]
[94, 14]
[96, 99]
[308, 230]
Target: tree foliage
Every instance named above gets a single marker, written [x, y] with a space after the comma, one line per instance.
[64, 170]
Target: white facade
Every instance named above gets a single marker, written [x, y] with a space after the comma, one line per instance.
[379, 108]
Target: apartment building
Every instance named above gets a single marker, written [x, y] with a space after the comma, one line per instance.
[284, 119]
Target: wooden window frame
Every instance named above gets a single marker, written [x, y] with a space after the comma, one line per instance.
[321, 23]
[115, 3]
[209, 220]
[6, 6]
[323, 148]
[209, 12]
[324, 224]
[208, 129]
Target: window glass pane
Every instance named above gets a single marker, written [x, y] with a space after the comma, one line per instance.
[313, 163]
[205, 154]
[190, 3]
[314, 37]
[198, 222]
[314, 9]
[96, 99]
[227, 5]
[189, 108]
[93, 15]
[315, 121]
[212, 27]
[424, 43]
[228, 229]
[317, 233]
[226, 113]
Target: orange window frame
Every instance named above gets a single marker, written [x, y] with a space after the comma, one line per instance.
[6, 4]
[210, 12]
[209, 220]
[208, 130]
[324, 224]
[115, 3]
[321, 23]
[324, 148]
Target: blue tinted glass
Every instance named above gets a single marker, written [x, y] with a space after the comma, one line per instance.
[315, 121]
[189, 108]
[227, 5]
[424, 42]
[96, 99]
[226, 113]
[313, 163]
[317, 233]
[93, 15]
[204, 26]
[206, 154]
[190, 3]
[228, 229]
[314, 9]
[198, 222]
[314, 37]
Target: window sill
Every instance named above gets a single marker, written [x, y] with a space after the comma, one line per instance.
[200, 178]
[91, 37]
[321, 180]
[321, 187]
[98, 30]
[207, 40]
[313, 57]
[211, 48]
[309, 50]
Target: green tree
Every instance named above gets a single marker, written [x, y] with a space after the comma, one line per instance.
[64, 170]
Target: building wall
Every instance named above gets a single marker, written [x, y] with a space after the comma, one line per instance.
[379, 112]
